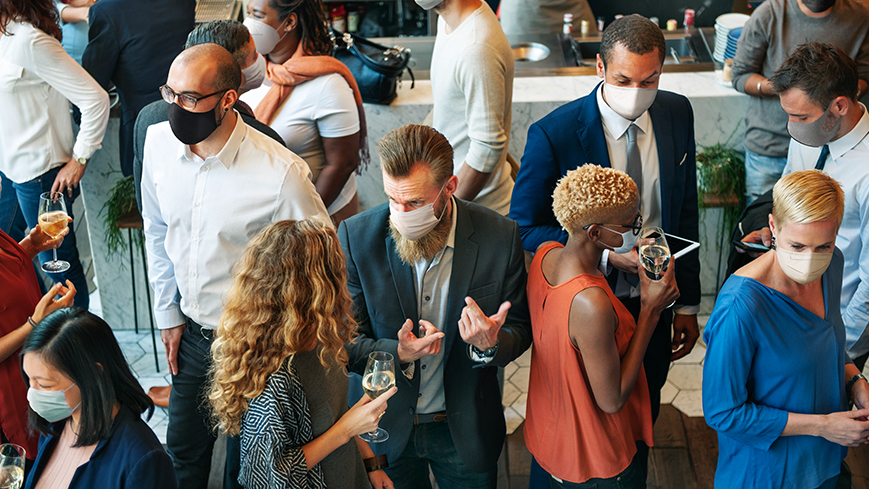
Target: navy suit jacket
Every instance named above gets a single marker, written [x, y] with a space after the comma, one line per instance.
[573, 135]
[132, 43]
[132, 456]
[489, 266]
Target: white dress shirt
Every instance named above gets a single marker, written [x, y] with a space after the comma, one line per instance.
[37, 82]
[615, 129]
[848, 164]
[200, 214]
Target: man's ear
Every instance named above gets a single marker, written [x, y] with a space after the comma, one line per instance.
[600, 67]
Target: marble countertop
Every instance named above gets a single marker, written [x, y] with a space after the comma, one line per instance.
[567, 88]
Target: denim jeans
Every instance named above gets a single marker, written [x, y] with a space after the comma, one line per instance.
[431, 445]
[761, 173]
[19, 208]
[630, 478]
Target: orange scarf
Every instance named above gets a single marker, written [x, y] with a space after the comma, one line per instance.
[299, 69]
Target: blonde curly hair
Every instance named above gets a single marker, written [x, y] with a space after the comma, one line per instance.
[289, 292]
[592, 194]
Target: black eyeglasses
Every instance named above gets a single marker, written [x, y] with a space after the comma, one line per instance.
[635, 226]
[184, 100]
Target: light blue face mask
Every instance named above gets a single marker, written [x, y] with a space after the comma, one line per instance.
[50, 405]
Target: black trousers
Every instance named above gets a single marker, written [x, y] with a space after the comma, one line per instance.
[190, 435]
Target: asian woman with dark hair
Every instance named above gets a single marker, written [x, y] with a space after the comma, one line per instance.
[87, 406]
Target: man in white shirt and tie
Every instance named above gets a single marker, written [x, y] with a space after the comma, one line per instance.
[209, 185]
[829, 131]
[628, 124]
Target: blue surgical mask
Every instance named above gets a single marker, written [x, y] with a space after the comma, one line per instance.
[50, 405]
[629, 239]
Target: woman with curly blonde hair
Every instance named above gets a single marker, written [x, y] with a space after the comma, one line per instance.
[588, 410]
[279, 377]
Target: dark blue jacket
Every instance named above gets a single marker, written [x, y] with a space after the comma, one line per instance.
[132, 44]
[131, 457]
[573, 135]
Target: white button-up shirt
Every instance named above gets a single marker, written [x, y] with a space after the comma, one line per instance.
[848, 164]
[37, 82]
[200, 214]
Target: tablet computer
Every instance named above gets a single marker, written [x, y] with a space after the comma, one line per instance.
[680, 246]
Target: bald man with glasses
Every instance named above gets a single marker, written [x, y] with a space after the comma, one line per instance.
[209, 184]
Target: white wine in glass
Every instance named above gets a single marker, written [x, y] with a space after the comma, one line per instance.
[11, 466]
[53, 220]
[379, 377]
[654, 251]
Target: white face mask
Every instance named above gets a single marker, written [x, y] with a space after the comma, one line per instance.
[428, 4]
[629, 102]
[417, 223]
[254, 74]
[629, 240]
[803, 268]
[265, 37]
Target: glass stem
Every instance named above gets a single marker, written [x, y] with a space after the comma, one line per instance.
[55, 254]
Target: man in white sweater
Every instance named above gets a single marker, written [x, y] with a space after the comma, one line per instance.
[472, 87]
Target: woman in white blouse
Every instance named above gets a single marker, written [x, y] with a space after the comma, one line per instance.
[38, 80]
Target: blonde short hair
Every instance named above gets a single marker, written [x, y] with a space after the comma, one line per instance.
[592, 194]
[807, 196]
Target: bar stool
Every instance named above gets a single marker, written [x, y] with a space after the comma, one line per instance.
[130, 221]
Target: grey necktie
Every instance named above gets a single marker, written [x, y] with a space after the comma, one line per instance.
[635, 166]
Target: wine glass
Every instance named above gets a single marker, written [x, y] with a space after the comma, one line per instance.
[11, 466]
[654, 251]
[53, 220]
[379, 377]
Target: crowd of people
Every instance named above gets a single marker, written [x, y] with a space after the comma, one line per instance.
[273, 292]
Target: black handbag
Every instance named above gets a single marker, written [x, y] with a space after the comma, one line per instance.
[376, 68]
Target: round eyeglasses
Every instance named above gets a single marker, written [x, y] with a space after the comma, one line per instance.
[184, 100]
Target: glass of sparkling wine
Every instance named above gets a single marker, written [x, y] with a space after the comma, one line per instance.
[11, 466]
[379, 377]
[53, 219]
[654, 251]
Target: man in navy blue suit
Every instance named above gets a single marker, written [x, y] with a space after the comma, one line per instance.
[628, 124]
[132, 44]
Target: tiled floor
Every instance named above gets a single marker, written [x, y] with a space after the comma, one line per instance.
[139, 352]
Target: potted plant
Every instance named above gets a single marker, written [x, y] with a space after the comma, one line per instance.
[721, 182]
[121, 203]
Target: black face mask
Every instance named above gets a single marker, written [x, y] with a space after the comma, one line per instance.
[192, 127]
[818, 6]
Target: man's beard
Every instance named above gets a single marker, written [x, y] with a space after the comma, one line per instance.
[426, 247]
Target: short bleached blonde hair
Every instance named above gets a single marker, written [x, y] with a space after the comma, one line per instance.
[592, 194]
[807, 196]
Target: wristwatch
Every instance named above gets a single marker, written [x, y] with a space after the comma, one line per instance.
[853, 381]
[81, 160]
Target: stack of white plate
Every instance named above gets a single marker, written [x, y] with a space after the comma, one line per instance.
[723, 25]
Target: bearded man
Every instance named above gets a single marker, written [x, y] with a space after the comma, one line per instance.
[440, 284]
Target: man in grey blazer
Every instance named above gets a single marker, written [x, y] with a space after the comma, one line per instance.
[440, 284]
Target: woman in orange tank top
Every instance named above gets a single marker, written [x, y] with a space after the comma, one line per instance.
[588, 403]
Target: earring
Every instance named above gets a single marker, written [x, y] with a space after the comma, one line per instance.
[772, 245]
